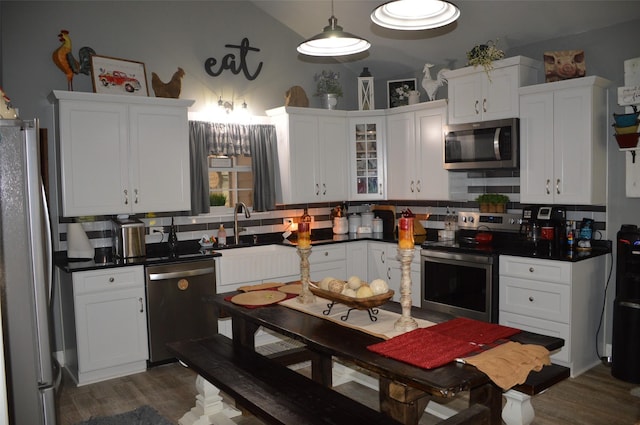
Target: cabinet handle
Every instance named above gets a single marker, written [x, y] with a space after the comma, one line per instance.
[141, 305]
[126, 197]
[382, 257]
[547, 187]
[380, 188]
[531, 269]
[389, 273]
[324, 189]
[411, 186]
[475, 107]
[418, 186]
[135, 191]
[317, 189]
[326, 254]
[484, 105]
[558, 186]
[531, 299]
[111, 280]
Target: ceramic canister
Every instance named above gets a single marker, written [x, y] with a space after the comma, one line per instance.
[367, 219]
[377, 225]
[340, 225]
[354, 222]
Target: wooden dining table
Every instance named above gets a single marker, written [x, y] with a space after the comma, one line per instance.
[404, 389]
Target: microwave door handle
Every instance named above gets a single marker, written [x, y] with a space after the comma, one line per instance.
[496, 144]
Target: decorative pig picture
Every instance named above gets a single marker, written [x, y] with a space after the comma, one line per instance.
[563, 65]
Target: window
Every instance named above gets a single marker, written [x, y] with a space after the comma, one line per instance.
[230, 177]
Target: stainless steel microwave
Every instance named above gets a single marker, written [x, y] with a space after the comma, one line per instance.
[483, 145]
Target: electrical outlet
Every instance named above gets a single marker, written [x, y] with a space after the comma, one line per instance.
[156, 229]
[287, 221]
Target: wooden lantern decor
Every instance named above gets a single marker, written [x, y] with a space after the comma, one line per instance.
[365, 91]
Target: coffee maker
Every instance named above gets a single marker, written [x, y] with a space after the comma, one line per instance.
[529, 226]
[553, 222]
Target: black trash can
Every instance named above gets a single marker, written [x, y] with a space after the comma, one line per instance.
[625, 348]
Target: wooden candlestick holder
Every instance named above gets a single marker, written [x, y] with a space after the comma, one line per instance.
[405, 323]
[306, 296]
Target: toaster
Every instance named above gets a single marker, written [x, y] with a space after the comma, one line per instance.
[127, 237]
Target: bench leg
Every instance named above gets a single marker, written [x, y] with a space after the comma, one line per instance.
[518, 409]
[208, 404]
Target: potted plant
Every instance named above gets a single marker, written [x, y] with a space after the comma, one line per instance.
[492, 202]
[484, 54]
[328, 88]
[217, 199]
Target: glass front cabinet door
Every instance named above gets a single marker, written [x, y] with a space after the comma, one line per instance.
[366, 150]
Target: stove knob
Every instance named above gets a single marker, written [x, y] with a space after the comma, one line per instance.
[464, 219]
[471, 220]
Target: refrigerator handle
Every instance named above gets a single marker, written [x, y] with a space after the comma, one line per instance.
[48, 244]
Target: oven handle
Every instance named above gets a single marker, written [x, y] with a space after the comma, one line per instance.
[456, 256]
[181, 274]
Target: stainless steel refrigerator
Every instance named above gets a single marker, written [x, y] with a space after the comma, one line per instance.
[26, 277]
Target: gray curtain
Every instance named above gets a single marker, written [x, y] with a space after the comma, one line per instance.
[257, 141]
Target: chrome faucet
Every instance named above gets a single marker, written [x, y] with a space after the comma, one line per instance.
[236, 230]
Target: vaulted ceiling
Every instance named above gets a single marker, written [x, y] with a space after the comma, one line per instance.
[514, 23]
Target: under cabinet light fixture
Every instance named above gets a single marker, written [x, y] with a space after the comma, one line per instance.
[333, 41]
[415, 14]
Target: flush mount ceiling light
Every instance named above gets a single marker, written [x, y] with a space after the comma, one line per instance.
[415, 14]
[333, 41]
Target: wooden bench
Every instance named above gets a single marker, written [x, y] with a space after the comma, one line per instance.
[278, 395]
[518, 409]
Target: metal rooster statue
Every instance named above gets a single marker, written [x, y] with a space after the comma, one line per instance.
[63, 58]
[430, 85]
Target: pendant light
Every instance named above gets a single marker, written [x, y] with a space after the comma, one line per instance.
[415, 14]
[333, 41]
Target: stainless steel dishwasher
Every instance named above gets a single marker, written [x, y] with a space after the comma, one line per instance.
[177, 304]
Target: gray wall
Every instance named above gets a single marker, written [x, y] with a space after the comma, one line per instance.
[163, 35]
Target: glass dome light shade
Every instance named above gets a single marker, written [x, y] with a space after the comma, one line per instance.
[415, 14]
[333, 41]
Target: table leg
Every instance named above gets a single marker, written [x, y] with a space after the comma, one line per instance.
[518, 409]
[322, 369]
[209, 406]
[244, 333]
[491, 396]
[401, 402]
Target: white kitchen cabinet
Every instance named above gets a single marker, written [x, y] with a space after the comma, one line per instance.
[415, 136]
[122, 154]
[383, 263]
[105, 323]
[563, 152]
[313, 154]
[357, 259]
[476, 96]
[328, 261]
[556, 298]
[366, 131]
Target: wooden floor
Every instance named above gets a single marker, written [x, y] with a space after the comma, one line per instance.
[594, 398]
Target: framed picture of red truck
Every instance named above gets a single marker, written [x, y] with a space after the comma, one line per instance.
[118, 76]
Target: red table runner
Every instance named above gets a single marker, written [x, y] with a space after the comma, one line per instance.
[438, 345]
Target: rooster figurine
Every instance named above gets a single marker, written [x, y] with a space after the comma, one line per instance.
[430, 85]
[170, 89]
[63, 58]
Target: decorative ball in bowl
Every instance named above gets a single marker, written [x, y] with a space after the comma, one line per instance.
[353, 293]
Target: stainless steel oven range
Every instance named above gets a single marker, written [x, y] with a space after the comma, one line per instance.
[461, 277]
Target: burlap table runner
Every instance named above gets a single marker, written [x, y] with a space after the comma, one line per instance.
[358, 319]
